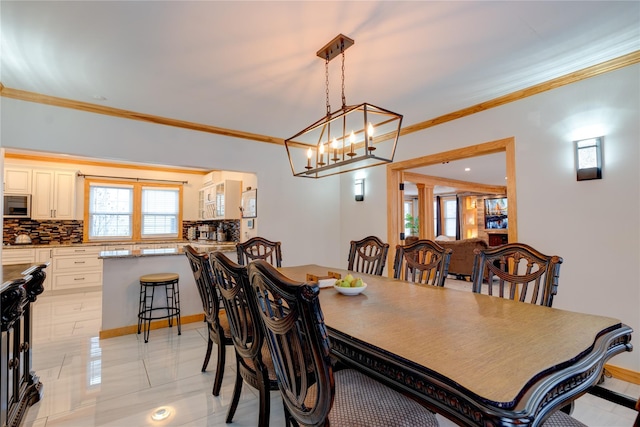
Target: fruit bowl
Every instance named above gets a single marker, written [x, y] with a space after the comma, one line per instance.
[350, 291]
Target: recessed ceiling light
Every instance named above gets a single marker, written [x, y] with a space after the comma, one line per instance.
[99, 98]
[467, 169]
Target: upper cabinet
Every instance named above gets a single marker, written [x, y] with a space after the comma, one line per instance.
[17, 180]
[220, 200]
[53, 194]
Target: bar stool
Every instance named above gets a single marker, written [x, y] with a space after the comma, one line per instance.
[147, 312]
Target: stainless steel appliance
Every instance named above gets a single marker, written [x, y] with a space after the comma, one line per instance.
[17, 205]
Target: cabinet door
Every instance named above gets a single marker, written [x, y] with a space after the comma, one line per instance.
[54, 194]
[17, 180]
[64, 195]
[42, 194]
[44, 256]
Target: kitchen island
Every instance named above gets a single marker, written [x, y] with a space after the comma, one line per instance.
[121, 286]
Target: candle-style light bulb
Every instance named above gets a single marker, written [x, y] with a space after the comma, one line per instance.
[352, 141]
[321, 149]
[334, 145]
[309, 153]
[370, 147]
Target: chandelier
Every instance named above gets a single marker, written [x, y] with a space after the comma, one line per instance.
[353, 137]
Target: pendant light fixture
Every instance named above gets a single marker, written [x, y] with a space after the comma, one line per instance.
[353, 137]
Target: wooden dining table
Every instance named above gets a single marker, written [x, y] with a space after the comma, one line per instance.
[479, 360]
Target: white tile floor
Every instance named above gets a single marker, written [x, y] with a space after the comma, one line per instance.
[121, 381]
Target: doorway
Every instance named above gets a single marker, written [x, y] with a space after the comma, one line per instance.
[396, 175]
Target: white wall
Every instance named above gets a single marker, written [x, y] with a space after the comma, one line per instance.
[303, 214]
[593, 225]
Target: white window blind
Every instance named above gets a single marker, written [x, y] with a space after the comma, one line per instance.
[160, 209]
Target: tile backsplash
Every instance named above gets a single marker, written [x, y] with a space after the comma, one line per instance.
[70, 231]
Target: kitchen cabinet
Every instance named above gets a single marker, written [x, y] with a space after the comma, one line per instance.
[53, 194]
[207, 202]
[76, 267]
[117, 247]
[228, 194]
[17, 180]
[155, 246]
[18, 256]
[43, 256]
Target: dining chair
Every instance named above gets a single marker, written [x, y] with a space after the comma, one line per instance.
[368, 255]
[259, 248]
[253, 361]
[217, 323]
[516, 271]
[423, 261]
[297, 337]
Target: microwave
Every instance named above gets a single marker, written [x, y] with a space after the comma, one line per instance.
[17, 205]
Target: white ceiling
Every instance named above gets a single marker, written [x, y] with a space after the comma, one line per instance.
[252, 65]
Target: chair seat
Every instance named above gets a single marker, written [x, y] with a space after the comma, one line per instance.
[159, 277]
[361, 401]
[561, 419]
[224, 324]
[266, 360]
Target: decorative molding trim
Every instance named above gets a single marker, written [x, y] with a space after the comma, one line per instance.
[158, 324]
[79, 161]
[595, 70]
[24, 95]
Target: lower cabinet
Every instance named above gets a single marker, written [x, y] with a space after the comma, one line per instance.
[76, 267]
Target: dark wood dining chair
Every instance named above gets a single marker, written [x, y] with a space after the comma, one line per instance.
[217, 324]
[368, 255]
[259, 248]
[423, 261]
[516, 271]
[313, 393]
[253, 361]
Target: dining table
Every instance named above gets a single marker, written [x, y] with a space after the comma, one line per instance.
[476, 359]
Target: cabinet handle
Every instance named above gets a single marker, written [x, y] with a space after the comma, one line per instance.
[79, 262]
[13, 363]
[80, 250]
[78, 278]
[24, 346]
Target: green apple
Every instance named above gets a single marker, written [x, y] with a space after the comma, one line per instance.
[357, 283]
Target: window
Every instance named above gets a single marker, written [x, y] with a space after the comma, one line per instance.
[160, 209]
[110, 211]
[450, 216]
[123, 211]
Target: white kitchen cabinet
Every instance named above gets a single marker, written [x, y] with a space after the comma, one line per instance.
[207, 202]
[76, 267]
[18, 256]
[44, 255]
[53, 194]
[117, 247]
[228, 195]
[17, 180]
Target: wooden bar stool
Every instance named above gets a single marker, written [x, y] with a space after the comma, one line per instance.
[147, 312]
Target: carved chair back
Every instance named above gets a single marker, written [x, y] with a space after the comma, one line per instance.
[423, 261]
[217, 323]
[516, 270]
[259, 248]
[368, 255]
[201, 269]
[253, 363]
[298, 341]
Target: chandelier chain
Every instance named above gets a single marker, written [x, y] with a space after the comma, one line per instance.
[326, 78]
[344, 99]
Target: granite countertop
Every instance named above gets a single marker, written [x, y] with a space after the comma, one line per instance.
[107, 243]
[157, 252]
[13, 272]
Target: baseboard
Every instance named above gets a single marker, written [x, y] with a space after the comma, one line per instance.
[623, 374]
[133, 329]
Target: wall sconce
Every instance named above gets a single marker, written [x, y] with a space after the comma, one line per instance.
[589, 158]
[359, 189]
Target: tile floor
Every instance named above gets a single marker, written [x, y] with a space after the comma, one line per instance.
[121, 381]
